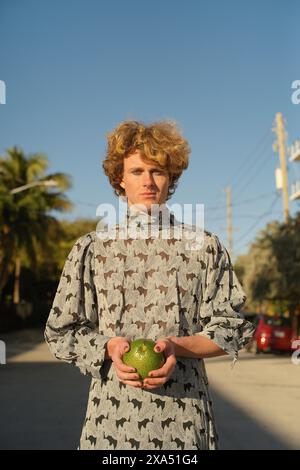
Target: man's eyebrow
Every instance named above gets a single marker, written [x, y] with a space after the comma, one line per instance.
[140, 168]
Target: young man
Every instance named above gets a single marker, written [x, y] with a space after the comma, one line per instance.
[116, 290]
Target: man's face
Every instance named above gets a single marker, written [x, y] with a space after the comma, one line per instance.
[141, 177]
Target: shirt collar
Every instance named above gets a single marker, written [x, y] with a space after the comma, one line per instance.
[160, 217]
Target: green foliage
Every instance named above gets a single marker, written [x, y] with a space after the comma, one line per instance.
[25, 219]
[271, 269]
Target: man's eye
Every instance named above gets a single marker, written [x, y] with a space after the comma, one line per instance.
[155, 171]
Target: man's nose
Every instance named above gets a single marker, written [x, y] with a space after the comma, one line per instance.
[148, 178]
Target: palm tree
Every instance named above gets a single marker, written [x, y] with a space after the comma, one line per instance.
[24, 216]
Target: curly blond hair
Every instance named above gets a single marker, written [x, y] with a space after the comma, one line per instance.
[160, 142]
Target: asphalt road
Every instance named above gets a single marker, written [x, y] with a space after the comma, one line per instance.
[43, 401]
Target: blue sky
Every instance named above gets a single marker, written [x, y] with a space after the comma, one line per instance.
[221, 69]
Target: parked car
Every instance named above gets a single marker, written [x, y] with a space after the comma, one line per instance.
[273, 333]
[282, 334]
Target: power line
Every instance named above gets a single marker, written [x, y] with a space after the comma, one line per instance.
[253, 226]
[262, 196]
[246, 161]
[238, 216]
[258, 169]
[240, 203]
[246, 201]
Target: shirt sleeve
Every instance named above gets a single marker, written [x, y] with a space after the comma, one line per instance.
[222, 300]
[72, 331]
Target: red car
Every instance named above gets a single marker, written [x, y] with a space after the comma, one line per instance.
[282, 334]
[272, 333]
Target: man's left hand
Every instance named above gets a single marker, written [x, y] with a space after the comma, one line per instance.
[157, 378]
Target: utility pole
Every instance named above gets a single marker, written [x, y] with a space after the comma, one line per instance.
[229, 226]
[229, 219]
[279, 146]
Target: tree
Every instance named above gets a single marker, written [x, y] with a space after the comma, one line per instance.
[61, 239]
[272, 267]
[24, 216]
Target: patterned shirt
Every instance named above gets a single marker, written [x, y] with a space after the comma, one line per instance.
[146, 287]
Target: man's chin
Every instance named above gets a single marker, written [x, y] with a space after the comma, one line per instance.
[147, 205]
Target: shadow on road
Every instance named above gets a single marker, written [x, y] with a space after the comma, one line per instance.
[44, 404]
[239, 431]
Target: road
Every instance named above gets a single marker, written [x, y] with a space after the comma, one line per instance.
[257, 403]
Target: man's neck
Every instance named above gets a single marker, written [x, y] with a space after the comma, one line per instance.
[154, 208]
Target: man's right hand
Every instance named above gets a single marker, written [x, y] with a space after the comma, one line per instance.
[115, 348]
